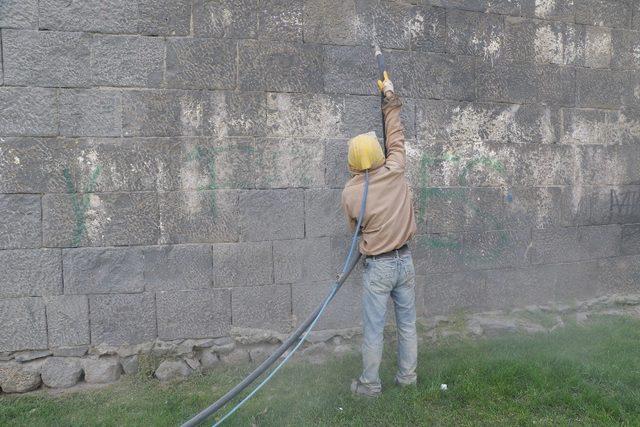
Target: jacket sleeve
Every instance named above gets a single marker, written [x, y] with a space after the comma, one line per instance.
[391, 107]
[345, 209]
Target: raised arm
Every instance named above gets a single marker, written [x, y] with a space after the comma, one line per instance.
[394, 131]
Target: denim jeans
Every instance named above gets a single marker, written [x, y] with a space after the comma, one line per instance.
[384, 277]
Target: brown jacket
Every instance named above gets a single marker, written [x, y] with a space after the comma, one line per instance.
[388, 221]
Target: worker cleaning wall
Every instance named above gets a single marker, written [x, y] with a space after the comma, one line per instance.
[171, 174]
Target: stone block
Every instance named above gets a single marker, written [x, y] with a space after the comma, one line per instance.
[172, 370]
[496, 249]
[556, 85]
[323, 213]
[539, 207]
[262, 307]
[279, 67]
[177, 267]
[362, 114]
[199, 216]
[20, 221]
[105, 219]
[344, 312]
[574, 243]
[601, 205]
[597, 52]
[193, 314]
[512, 7]
[437, 253]
[559, 43]
[304, 115]
[28, 111]
[24, 326]
[477, 34]
[588, 126]
[436, 76]
[336, 172]
[164, 17]
[289, 163]
[610, 164]
[333, 22]
[19, 14]
[30, 272]
[99, 16]
[557, 10]
[67, 320]
[518, 42]
[625, 46]
[23, 166]
[46, 58]
[306, 260]
[102, 371]
[127, 61]
[349, 69]
[61, 372]
[446, 293]
[130, 365]
[226, 18]
[242, 264]
[631, 90]
[15, 378]
[608, 13]
[191, 64]
[235, 114]
[121, 319]
[163, 113]
[599, 88]
[90, 113]
[521, 287]
[630, 241]
[428, 30]
[280, 20]
[103, 270]
[515, 83]
[271, 215]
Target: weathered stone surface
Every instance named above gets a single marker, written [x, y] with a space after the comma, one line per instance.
[225, 18]
[472, 33]
[260, 353]
[630, 241]
[61, 372]
[27, 111]
[506, 83]
[343, 312]
[445, 293]
[597, 49]
[18, 379]
[493, 326]
[263, 307]
[323, 213]
[100, 219]
[19, 14]
[348, 71]
[24, 324]
[67, 320]
[505, 248]
[272, 215]
[280, 20]
[209, 359]
[122, 318]
[90, 113]
[177, 267]
[236, 357]
[78, 351]
[193, 314]
[281, 67]
[333, 22]
[191, 66]
[102, 16]
[624, 48]
[130, 365]
[242, 264]
[45, 58]
[599, 88]
[33, 272]
[164, 17]
[101, 371]
[172, 370]
[608, 13]
[305, 115]
[127, 61]
[103, 270]
[574, 243]
[561, 10]
[306, 260]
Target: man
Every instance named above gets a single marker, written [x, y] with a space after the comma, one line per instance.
[387, 225]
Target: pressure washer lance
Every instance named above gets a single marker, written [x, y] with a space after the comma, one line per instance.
[382, 69]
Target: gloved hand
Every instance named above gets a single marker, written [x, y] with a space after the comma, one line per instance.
[385, 85]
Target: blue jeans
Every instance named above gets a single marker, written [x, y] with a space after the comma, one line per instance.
[384, 277]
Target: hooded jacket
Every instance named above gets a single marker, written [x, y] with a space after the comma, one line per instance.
[388, 221]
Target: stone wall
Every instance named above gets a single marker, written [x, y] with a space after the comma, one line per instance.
[172, 169]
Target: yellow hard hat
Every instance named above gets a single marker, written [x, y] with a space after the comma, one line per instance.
[365, 152]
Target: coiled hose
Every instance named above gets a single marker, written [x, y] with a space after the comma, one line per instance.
[305, 327]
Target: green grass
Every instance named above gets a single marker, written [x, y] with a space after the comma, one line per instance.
[588, 375]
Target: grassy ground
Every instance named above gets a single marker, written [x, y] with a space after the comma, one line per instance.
[585, 375]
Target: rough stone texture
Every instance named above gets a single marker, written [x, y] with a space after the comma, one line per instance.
[193, 314]
[103, 270]
[122, 318]
[30, 272]
[17, 379]
[177, 267]
[193, 152]
[67, 320]
[130, 365]
[61, 372]
[101, 371]
[262, 307]
[172, 370]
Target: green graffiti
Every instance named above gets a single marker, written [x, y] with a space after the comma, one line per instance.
[80, 204]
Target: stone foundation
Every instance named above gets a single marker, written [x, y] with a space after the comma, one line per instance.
[22, 372]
